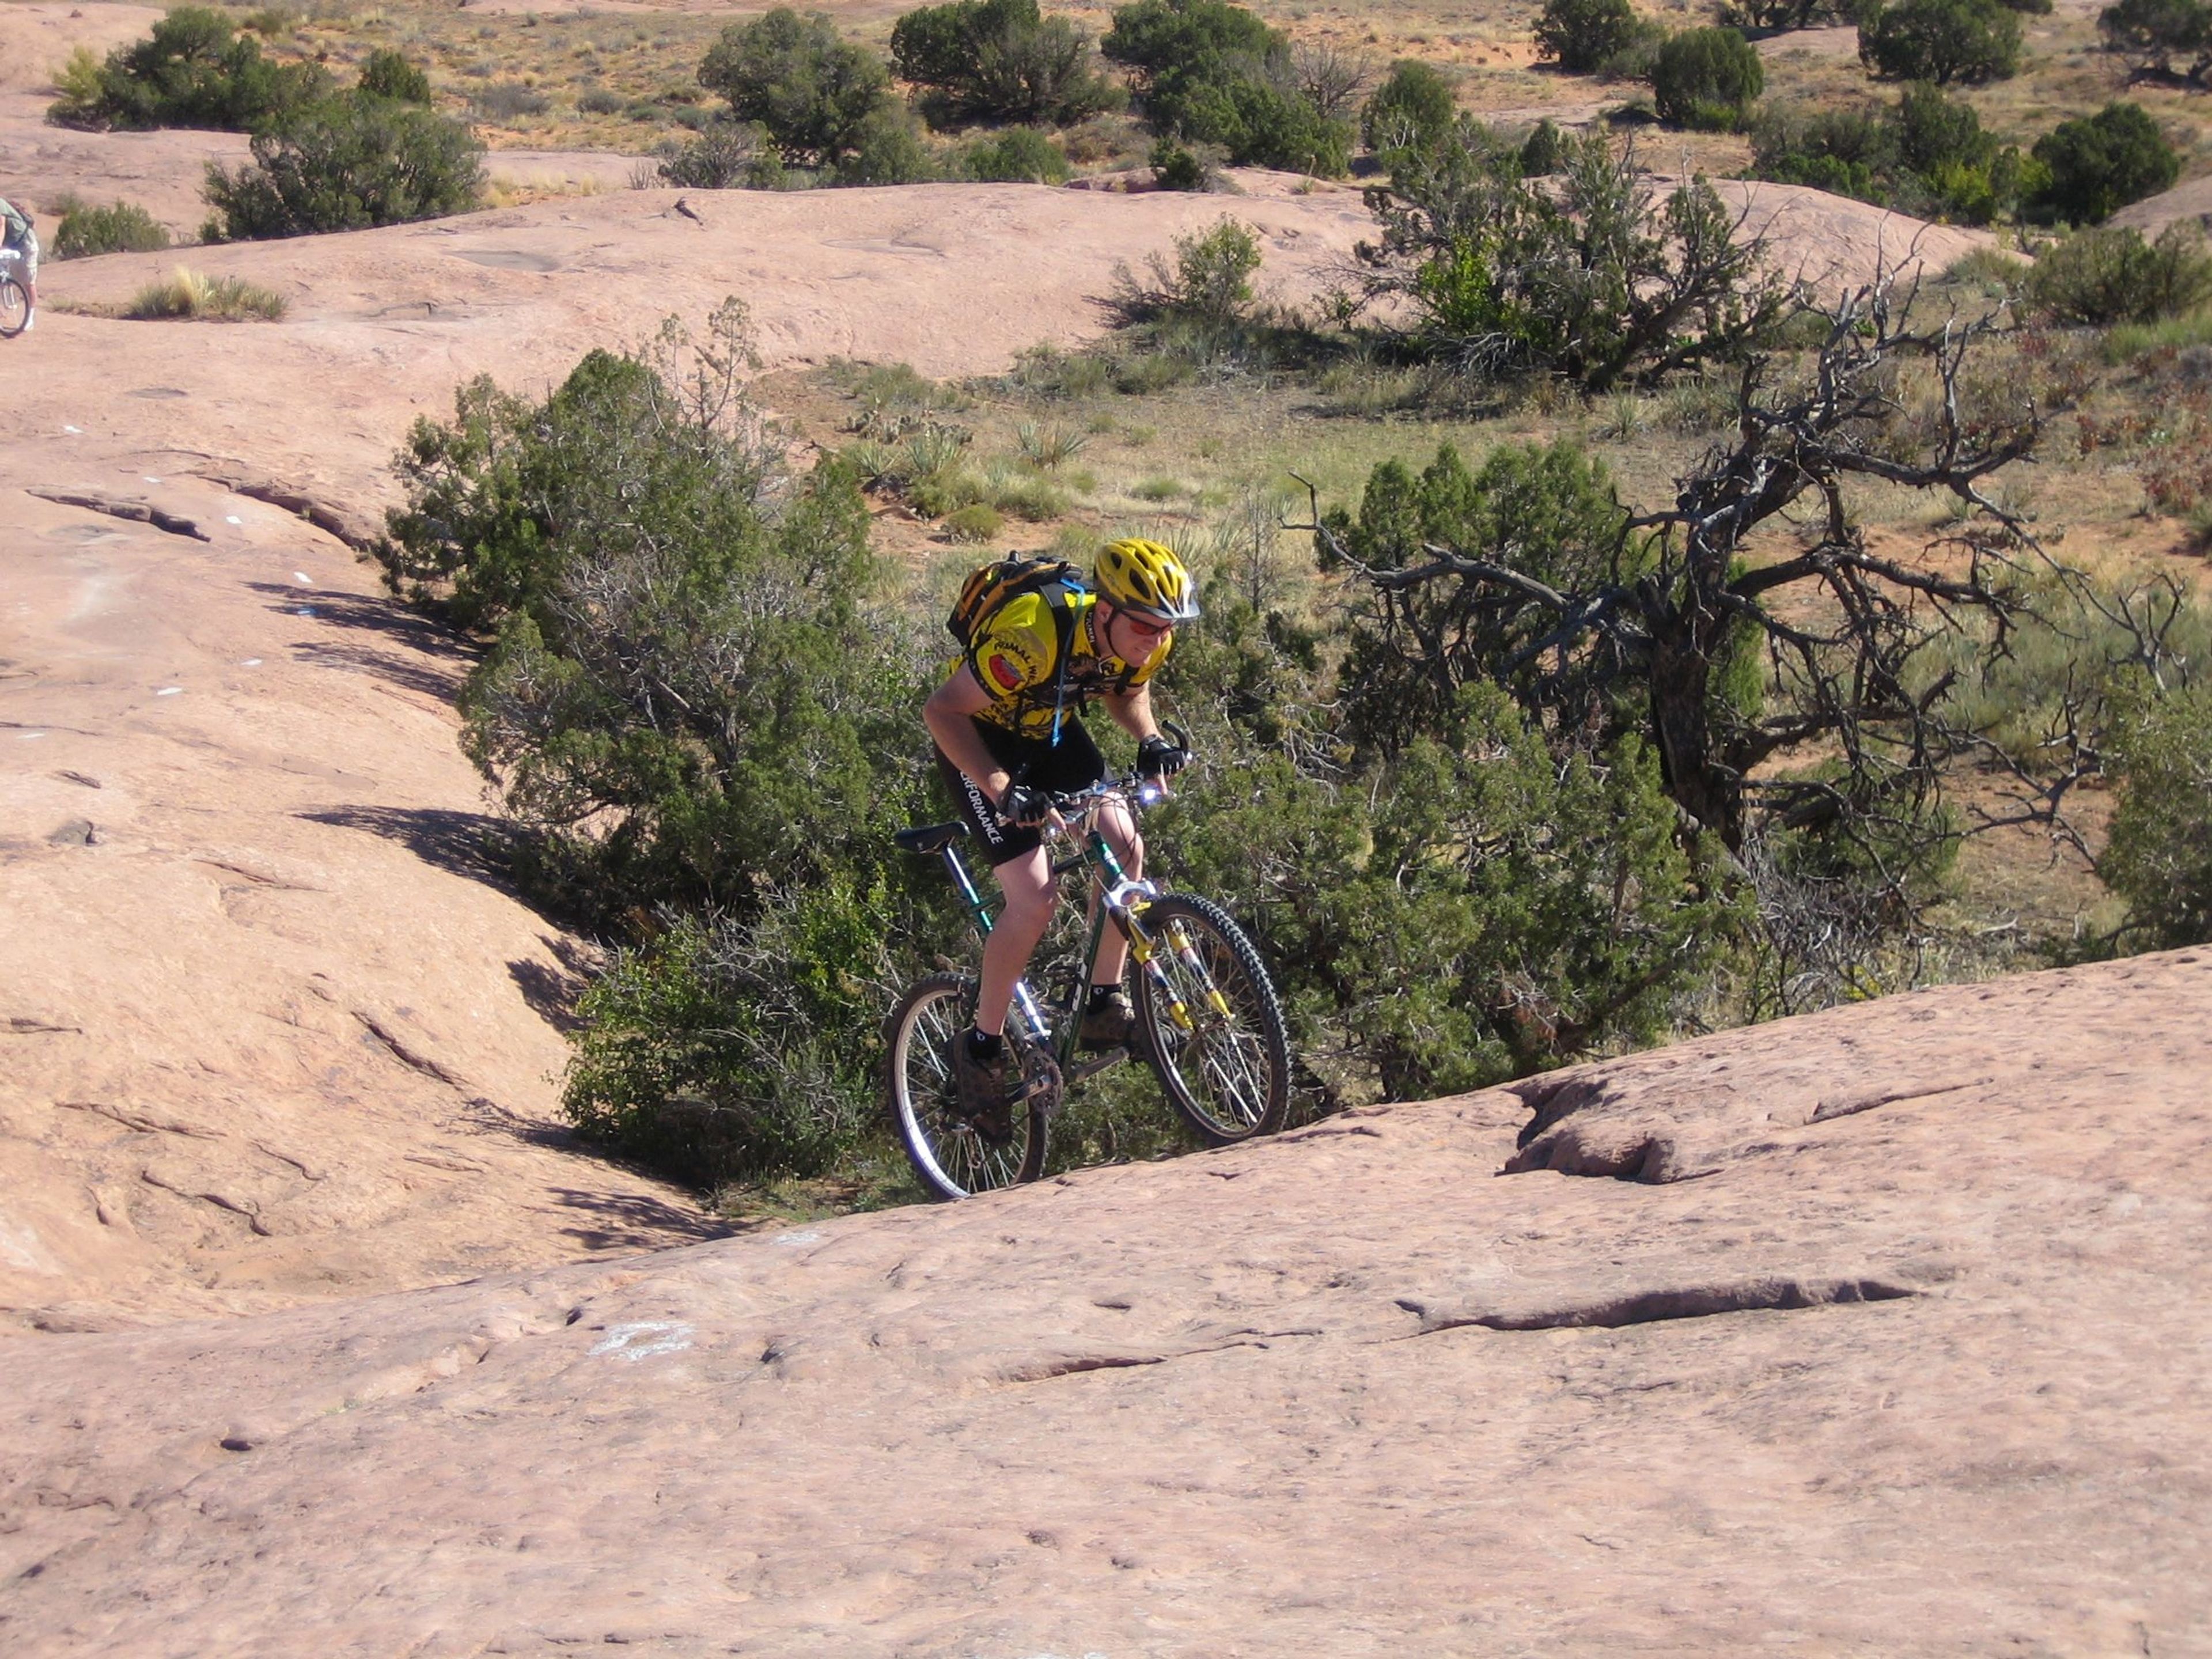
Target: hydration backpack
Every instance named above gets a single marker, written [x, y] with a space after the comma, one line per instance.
[990, 586]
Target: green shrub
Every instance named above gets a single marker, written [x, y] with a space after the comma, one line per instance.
[812, 91]
[507, 101]
[736, 1045]
[347, 164]
[999, 60]
[1544, 150]
[2156, 33]
[1845, 152]
[1176, 167]
[682, 694]
[888, 149]
[976, 522]
[1017, 155]
[188, 295]
[724, 156]
[1214, 271]
[1580, 35]
[1211, 73]
[1707, 79]
[1779, 16]
[193, 70]
[1945, 41]
[600, 100]
[389, 75]
[2160, 856]
[2106, 275]
[2101, 163]
[1582, 276]
[125, 227]
[1413, 109]
[1929, 156]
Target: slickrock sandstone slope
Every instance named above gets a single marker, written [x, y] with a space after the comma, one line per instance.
[1899, 1347]
[268, 1030]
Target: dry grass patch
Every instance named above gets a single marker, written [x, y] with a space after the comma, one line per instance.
[186, 293]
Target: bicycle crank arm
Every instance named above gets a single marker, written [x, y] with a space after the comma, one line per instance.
[1090, 1068]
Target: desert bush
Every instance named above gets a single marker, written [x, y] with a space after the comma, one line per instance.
[1583, 278]
[1846, 152]
[600, 100]
[346, 164]
[725, 156]
[1780, 17]
[976, 522]
[1413, 109]
[2159, 858]
[1581, 35]
[2101, 163]
[1209, 282]
[999, 61]
[189, 294]
[677, 649]
[1017, 155]
[888, 148]
[1544, 150]
[1943, 41]
[2105, 276]
[507, 101]
[193, 70]
[1707, 79]
[2156, 34]
[1210, 73]
[124, 227]
[389, 75]
[729, 1047]
[812, 91]
[1176, 166]
[1929, 155]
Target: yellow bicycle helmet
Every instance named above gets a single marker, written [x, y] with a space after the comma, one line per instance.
[1146, 578]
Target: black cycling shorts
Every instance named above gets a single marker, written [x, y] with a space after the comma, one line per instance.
[1073, 763]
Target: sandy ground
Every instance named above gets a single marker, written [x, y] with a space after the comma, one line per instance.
[1898, 1347]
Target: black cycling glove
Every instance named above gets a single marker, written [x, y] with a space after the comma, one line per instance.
[1024, 807]
[1158, 758]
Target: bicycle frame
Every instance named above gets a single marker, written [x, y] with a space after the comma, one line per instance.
[1115, 897]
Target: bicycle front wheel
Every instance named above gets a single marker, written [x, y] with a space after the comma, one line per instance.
[1211, 1024]
[14, 308]
[954, 1158]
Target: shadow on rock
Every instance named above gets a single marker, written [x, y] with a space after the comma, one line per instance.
[371, 614]
[635, 1221]
[462, 843]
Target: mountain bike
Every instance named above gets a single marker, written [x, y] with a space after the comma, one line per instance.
[1208, 1021]
[15, 298]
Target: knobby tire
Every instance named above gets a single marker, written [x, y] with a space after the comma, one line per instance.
[1231, 1078]
[951, 1159]
[14, 308]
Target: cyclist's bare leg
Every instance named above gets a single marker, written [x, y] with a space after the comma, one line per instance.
[1120, 828]
[1027, 886]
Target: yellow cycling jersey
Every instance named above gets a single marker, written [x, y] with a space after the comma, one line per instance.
[1015, 656]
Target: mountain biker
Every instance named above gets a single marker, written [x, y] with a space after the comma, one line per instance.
[15, 232]
[1008, 738]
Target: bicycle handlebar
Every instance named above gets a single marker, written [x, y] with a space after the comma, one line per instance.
[1132, 786]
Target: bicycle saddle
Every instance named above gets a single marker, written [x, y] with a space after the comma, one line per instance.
[930, 838]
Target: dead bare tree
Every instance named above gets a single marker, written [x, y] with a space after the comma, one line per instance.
[1850, 731]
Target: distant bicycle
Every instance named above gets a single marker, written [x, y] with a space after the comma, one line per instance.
[1208, 1020]
[15, 298]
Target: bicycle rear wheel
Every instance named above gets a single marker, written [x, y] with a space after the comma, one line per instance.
[952, 1156]
[1211, 1024]
[14, 308]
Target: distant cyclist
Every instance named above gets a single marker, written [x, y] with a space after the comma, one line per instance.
[1008, 738]
[15, 232]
